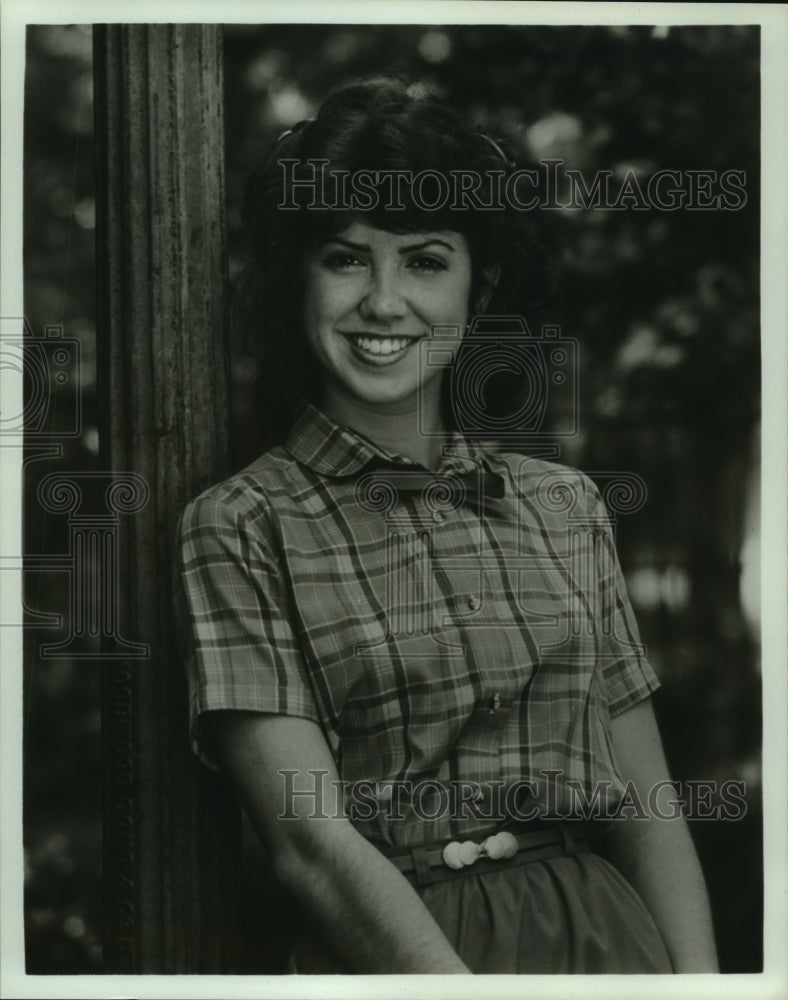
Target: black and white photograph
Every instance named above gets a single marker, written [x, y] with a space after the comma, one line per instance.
[392, 418]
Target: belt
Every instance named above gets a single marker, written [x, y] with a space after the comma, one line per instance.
[425, 864]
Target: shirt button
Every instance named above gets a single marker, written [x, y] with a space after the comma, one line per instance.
[495, 702]
[474, 603]
[438, 517]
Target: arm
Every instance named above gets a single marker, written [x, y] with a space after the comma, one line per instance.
[359, 902]
[657, 855]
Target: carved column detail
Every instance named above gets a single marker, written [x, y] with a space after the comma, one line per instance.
[171, 831]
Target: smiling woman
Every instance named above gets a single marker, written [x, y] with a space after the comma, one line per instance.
[413, 652]
[371, 298]
[380, 131]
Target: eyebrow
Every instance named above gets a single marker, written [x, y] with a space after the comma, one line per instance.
[410, 248]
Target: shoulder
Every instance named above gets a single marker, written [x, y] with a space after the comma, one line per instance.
[551, 485]
[246, 496]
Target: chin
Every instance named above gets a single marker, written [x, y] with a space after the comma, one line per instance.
[383, 398]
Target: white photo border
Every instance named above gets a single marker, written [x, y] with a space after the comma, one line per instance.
[773, 19]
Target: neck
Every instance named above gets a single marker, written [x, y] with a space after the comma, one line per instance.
[394, 427]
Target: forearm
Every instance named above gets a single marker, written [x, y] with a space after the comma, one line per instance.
[360, 904]
[657, 855]
[658, 858]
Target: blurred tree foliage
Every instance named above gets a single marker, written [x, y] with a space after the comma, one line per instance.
[664, 306]
[62, 760]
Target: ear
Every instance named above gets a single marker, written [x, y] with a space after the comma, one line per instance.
[490, 277]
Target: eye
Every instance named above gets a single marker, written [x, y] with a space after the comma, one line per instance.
[427, 264]
[341, 261]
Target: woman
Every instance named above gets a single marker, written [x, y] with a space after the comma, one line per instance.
[428, 705]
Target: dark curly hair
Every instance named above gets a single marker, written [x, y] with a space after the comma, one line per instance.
[376, 124]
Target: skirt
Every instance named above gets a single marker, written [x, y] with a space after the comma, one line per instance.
[568, 914]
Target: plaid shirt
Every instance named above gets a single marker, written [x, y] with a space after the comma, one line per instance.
[462, 638]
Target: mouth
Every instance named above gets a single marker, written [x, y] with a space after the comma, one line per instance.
[379, 350]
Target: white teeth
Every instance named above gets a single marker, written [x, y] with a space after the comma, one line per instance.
[385, 345]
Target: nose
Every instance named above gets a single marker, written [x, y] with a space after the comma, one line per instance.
[383, 299]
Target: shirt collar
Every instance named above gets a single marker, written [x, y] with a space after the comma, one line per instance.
[332, 450]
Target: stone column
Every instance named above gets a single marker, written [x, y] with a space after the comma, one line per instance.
[171, 829]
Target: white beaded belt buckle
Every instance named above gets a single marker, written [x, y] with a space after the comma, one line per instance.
[424, 864]
[502, 845]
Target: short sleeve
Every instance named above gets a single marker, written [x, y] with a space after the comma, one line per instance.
[628, 676]
[234, 619]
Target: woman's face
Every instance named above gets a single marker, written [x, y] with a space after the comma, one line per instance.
[371, 296]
